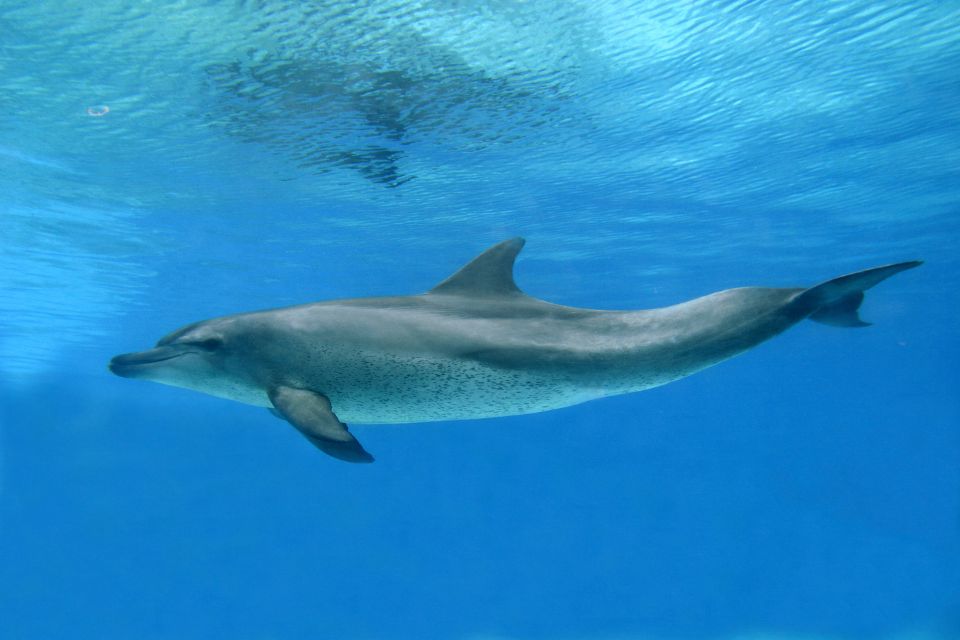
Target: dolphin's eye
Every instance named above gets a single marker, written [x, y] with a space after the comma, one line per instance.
[210, 344]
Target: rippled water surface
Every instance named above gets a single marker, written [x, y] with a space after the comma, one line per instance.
[163, 162]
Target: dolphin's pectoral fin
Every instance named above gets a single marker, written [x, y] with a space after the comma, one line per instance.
[311, 414]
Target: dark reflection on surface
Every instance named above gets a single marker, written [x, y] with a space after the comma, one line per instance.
[330, 113]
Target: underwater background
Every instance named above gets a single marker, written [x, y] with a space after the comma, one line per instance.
[166, 162]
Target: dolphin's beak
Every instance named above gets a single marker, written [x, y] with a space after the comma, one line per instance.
[129, 365]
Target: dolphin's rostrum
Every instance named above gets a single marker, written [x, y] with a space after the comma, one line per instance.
[474, 346]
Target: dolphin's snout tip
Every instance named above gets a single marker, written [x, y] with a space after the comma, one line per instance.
[116, 365]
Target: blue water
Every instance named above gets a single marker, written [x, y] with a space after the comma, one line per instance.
[165, 162]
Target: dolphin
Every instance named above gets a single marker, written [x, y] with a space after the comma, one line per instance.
[474, 346]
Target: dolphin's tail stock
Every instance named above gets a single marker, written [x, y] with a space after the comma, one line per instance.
[836, 301]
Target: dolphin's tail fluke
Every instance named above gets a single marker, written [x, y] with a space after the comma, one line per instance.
[836, 301]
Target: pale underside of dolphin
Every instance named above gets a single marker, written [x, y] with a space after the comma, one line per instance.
[474, 346]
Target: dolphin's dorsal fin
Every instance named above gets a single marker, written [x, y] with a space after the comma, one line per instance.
[489, 274]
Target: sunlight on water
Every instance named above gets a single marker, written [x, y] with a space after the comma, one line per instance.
[63, 281]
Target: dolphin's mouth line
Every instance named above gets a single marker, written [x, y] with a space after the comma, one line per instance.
[155, 360]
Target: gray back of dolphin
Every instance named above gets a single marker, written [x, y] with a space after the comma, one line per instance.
[474, 346]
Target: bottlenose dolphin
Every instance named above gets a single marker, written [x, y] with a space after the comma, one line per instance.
[474, 346]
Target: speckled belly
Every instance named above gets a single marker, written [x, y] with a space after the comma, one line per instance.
[419, 389]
